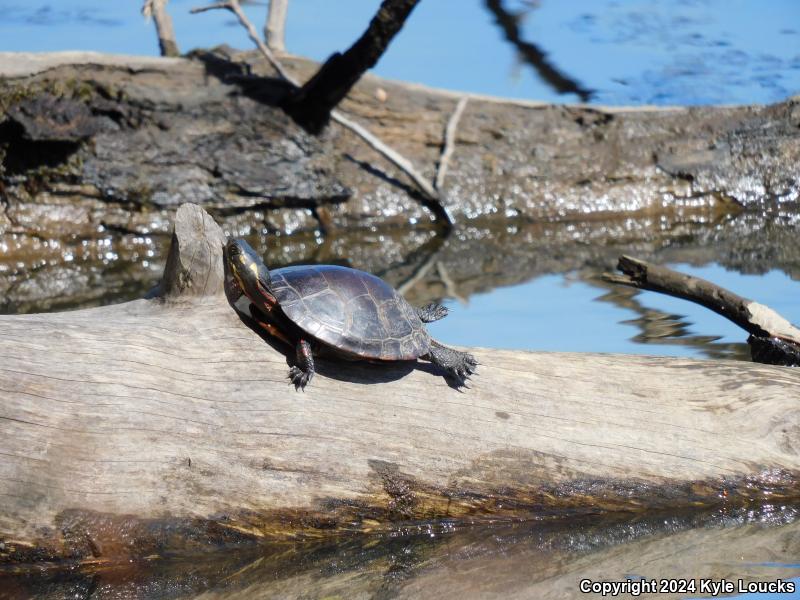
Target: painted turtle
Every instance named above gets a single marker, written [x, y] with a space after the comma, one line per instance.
[340, 311]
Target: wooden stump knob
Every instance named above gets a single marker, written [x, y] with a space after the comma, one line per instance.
[194, 264]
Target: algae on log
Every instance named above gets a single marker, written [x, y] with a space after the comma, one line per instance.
[164, 426]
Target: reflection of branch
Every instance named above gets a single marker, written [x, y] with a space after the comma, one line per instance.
[450, 287]
[533, 55]
[425, 188]
[166, 34]
[662, 328]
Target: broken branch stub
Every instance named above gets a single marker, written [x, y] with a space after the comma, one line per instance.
[772, 340]
[194, 264]
[311, 105]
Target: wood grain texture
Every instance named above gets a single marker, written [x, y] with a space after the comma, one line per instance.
[159, 425]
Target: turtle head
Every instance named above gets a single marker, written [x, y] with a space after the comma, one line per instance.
[248, 270]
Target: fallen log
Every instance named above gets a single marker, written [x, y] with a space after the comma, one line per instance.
[164, 426]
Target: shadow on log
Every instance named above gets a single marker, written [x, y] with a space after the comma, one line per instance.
[164, 426]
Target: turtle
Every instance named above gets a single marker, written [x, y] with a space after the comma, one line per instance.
[337, 311]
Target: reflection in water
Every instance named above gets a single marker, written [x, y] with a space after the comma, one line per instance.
[697, 54]
[531, 53]
[661, 328]
[481, 258]
[526, 560]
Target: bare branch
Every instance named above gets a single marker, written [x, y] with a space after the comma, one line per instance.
[275, 27]
[311, 106]
[772, 340]
[217, 6]
[389, 153]
[157, 9]
[449, 142]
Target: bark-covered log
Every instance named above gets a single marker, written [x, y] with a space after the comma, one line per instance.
[167, 425]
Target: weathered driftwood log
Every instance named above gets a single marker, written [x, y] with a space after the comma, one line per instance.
[166, 425]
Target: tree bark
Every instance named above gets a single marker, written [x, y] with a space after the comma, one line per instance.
[312, 104]
[165, 426]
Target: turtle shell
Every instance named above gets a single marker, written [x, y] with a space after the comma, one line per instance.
[351, 310]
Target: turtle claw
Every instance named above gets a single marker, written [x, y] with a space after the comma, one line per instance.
[300, 378]
[461, 373]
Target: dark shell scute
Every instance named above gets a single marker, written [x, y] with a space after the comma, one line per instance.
[351, 310]
[327, 308]
[391, 348]
[395, 320]
[305, 282]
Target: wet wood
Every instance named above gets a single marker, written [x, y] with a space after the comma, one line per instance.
[167, 425]
[573, 182]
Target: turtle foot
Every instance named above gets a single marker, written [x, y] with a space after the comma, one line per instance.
[459, 365]
[303, 371]
[300, 378]
[432, 312]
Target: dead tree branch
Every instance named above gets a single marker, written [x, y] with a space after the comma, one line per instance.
[275, 27]
[773, 339]
[236, 9]
[311, 106]
[157, 9]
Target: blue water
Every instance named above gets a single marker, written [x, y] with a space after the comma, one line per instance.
[557, 313]
[629, 52]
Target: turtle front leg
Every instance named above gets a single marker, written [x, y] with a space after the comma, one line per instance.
[432, 312]
[459, 365]
[303, 371]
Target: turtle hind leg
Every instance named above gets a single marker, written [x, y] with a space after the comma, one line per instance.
[302, 372]
[459, 365]
[432, 312]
